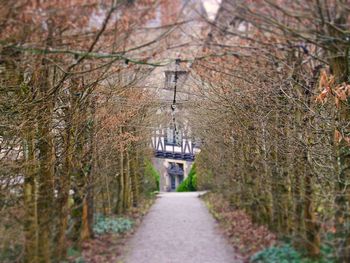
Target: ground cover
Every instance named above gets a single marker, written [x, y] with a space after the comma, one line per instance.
[111, 235]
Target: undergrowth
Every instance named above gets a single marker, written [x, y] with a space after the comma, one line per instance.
[246, 237]
[151, 178]
[274, 254]
[111, 234]
[256, 244]
[111, 224]
[286, 253]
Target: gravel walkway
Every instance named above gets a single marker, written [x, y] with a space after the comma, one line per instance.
[179, 229]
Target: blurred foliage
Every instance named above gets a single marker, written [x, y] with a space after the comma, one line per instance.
[282, 254]
[151, 178]
[286, 253]
[11, 253]
[190, 183]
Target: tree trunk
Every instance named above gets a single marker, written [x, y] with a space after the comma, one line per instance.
[313, 242]
[119, 208]
[134, 180]
[127, 186]
[342, 217]
[339, 65]
[88, 218]
[311, 226]
[46, 173]
[85, 232]
[30, 223]
[63, 193]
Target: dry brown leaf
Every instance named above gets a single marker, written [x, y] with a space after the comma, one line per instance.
[323, 80]
[337, 136]
[337, 102]
[347, 139]
[323, 96]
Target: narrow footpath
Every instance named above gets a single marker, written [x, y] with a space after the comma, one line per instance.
[179, 229]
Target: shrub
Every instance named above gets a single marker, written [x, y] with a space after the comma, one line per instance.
[190, 183]
[10, 254]
[281, 254]
[111, 225]
[287, 254]
[151, 178]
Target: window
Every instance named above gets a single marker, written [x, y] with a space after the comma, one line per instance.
[173, 137]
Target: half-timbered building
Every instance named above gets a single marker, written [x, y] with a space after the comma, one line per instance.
[173, 144]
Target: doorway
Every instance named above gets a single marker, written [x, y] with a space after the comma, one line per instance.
[173, 182]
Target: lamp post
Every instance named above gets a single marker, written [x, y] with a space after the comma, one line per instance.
[176, 133]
